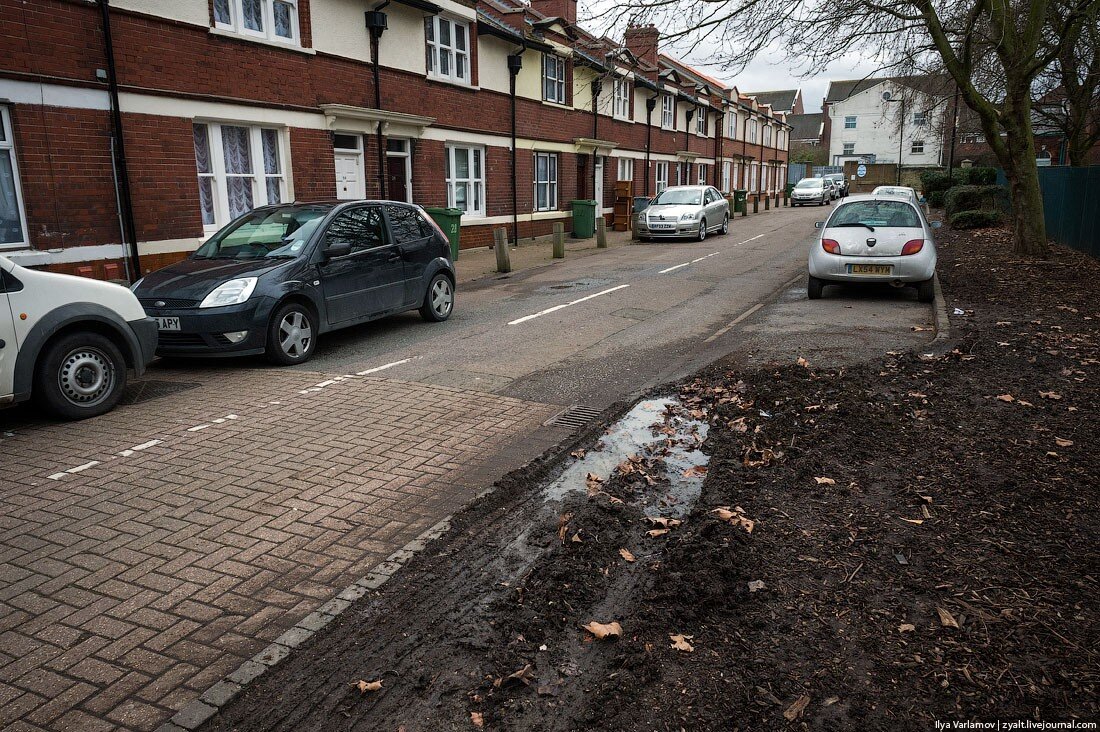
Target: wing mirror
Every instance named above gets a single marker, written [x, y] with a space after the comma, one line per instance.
[819, 224]
[936, 224]
[339, 249]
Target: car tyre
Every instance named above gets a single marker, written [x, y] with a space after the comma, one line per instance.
[439, 299]
[814, 288]
[926, 291]
[291, 335]
[726, 224]
[80, 375]
[702, 230]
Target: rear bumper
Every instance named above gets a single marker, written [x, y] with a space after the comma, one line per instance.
[835, 268]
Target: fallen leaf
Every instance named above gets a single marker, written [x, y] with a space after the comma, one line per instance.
[625, 554]
[695, 471]
[477, 719]
[524, 676]
[947, 620]
[795, 710]
[604, 630]
[735, 517]
[663, 522]
[803, 362]
[578, 454]
[577, 538]
[757, 585]
[563, 526]
[919, 328]
[830, 701]
[1050, 395]
[656, 532]
[825, 481]
[593, 482]
[918, 522]
[906, 628]
[364, 686]
[1062, 442]
[1006, 398]
[680, 643]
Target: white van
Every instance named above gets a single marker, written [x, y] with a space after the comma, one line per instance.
[69, 341]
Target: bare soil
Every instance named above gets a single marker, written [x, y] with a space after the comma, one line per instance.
[924, 546]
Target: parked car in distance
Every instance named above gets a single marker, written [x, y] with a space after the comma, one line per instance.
[683, 211]
[900, 191]
[275, 278]
[840, 182]
[874, 239]
[68, 342]
[811, 190]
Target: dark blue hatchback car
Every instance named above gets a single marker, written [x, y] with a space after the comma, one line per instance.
[274, 279]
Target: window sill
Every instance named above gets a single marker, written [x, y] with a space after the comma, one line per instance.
[556, 105]
[452, 82]
[286, 46]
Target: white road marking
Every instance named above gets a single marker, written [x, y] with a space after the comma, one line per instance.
[57, 476]
[196, 428]
[383, 367]
[708, 256]
[138, 448]
[726, 328]
[556, 308]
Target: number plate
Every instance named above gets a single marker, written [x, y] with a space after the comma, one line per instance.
[870, 269]
[168, 323]
[662, 226]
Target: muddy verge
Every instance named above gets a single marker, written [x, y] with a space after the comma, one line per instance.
[875, 548]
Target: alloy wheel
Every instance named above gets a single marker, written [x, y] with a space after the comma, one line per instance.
[295, 334]
[86, 377]
[702, 230]
[442, 297]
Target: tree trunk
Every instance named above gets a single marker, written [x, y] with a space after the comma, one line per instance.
[1029, 233]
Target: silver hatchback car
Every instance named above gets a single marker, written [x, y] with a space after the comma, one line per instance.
[683, 211]
[874, 239]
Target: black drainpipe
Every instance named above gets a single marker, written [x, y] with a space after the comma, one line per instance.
[376, 25]
[685, 175]
[597, 86]
[126, 203]
[515, 63]
[650, 105]
[718, 118]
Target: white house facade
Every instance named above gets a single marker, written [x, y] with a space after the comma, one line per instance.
[884, 121]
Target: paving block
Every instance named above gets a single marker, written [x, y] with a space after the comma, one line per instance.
[193, 715]
[248, 671]
[220, 693]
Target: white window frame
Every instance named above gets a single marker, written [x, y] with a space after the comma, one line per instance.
[258, 177]
[668, 112]
[624, 169]
[475, 184]
[767, 136]
[727, 179]
[7, 147]
[848, 149]
[660, 176]
[754, 177]
[920, 119]
[434, 48]
[731, 126]
[556, 64]
[751, 131]
[702, 174]
[916, 147]
[621, 100]
[550, 181]
[701, 122]
[236, 22]
[850, 121]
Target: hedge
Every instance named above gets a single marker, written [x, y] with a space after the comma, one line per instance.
[975, 219]
[938, 180]
[963, 198]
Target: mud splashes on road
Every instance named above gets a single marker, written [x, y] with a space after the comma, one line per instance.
[659, 441]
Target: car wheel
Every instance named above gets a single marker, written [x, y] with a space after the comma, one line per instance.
[80, 375]
[439, 300]
[291, 335]
[726, 224]
[702, 230]
[926, 291]
[814, 287]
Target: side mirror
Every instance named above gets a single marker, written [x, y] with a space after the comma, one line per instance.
[937, 224]
[819, 224]
[341, 249]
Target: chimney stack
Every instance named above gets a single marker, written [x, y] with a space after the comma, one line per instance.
[641, 40]
[565, 9]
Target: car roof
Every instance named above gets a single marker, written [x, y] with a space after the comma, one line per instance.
[855, 198]
[695, 187]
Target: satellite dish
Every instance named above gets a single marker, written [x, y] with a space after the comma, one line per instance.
[886, 96]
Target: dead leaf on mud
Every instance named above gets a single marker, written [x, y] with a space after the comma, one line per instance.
[1062, 442]
[593, 482]
[1050, 395]
[695, 471]
[803, 362]
[604, 630]
[680, 642]
[578, 454]
[577, 538]
[1006, 398]
[757, 586]
[663, 522]
[524, 676]
[918, 522]
[734, 517]
[906, 628]
[947, 620]
[794, 711]
[477, 719]
[830, 701]
[364, 686]
[825, 481]
[625, 554]
[656, 532]
[563, 526]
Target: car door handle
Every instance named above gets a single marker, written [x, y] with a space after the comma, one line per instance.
[394, 258]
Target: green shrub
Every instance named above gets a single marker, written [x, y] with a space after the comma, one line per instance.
[935, 199]
[981, 176]
[934, 180]
[963, 198]
[975, 219]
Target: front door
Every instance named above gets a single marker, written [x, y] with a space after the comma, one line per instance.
[370, 280]
[397, 188]
[597, 193]
[350, 183]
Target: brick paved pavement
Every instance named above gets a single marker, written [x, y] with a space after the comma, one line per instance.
[211, 521]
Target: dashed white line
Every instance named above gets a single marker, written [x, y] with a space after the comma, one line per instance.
[73, 471]
[708, 256]
[197, 427]
[383, 367]
[138, 448]
[726, 328]
[556, 308]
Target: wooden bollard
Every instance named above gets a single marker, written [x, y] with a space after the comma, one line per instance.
[559, 240]
[601, 232]
[500, 244]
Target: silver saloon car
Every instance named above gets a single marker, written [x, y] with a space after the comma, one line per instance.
[899, 191]
[811, 190]
[683, 211]
[874, 239]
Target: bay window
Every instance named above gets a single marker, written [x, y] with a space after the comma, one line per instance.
[272, 20]
[13, 221]
[239, 168]
[465, 175]
[553, 78]
[546, 181]
[448, 49]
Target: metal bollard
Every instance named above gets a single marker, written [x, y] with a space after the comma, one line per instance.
[756, 204]
[601, 232]
[559, 240]
[500, 244]
[767, 203]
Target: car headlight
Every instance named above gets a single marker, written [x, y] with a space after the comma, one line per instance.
[688, 217]
[233, 292]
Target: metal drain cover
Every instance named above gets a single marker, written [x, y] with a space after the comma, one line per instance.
[574, 417]
[145, 391]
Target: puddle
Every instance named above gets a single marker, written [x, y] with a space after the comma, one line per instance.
[581, 284]
[657, 430]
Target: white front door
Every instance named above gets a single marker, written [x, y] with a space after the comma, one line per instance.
[597, 187]
[350, 183]
[8, 346]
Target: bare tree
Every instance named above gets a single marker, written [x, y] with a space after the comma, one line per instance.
[994, 50]
[1068, 91]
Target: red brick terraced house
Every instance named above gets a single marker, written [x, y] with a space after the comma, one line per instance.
[121, 151]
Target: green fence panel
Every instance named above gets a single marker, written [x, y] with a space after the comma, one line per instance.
[1071, 205]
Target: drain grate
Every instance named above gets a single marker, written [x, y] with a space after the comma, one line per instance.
[146, 391]
[574, 417]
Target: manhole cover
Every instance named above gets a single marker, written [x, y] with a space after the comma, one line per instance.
[575, 417]
[144, 391]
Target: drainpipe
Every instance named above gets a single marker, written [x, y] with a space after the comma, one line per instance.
[515, 63]
[597, 87]
[125, 199]
[376, 26]
[650, 105]
[718, 146]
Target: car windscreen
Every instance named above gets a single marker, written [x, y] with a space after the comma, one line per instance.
[809, 183]
[876, 213]
[678, 197]
[279, 234]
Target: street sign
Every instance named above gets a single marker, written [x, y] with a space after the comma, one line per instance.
[861, 171]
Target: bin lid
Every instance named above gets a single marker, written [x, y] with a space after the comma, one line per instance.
[444, 211]
[583, 202]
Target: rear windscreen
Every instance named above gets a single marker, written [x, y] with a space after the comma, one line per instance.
[877, 213]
